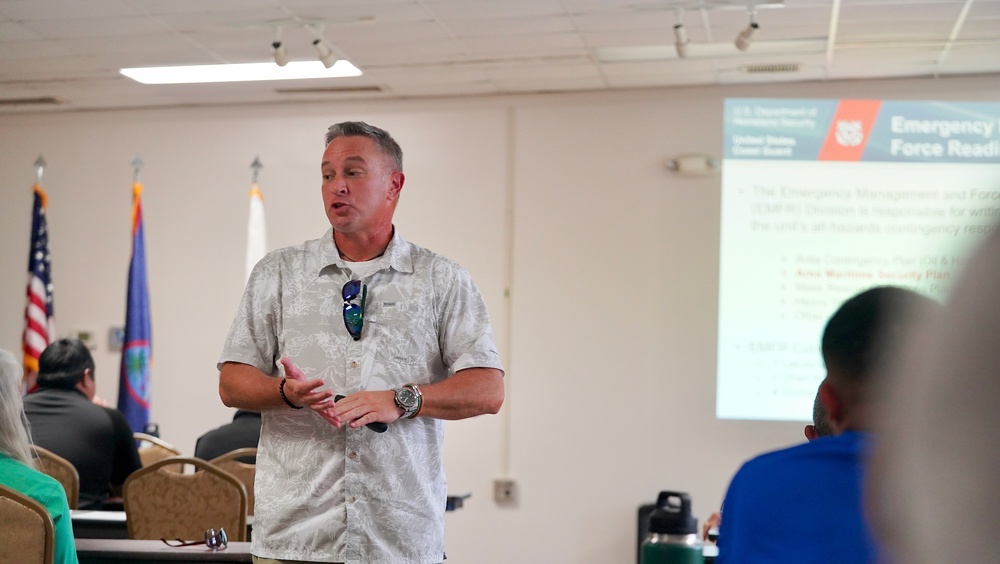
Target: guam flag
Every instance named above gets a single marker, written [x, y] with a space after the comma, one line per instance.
[133, 386]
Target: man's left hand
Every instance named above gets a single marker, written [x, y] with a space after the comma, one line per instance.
[362, 408]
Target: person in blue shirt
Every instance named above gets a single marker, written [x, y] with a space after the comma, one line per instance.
[805, 503]
[17, 470]
[818, 428]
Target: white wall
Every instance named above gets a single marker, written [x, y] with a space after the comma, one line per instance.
[609, 333]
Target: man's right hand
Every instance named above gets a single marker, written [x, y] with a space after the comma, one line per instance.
[300, 392]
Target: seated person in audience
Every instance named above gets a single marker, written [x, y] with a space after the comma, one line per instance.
[804, 503]
[96, 440]
[242, 432]
[818, 428]
[17, 469]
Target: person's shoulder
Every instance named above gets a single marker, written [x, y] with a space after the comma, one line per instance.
[112, 412]
[845, 444]
[31, 400]
[283, 254]
[41, 396]
[117, 418]
[427, 260]
[31, 482]
[763, 462]
[48, 484]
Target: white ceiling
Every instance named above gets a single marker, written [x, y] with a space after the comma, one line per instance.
[71, 50]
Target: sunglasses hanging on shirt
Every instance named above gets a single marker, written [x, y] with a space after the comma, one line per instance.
[354, 314]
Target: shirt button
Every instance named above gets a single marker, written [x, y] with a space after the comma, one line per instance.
[352, 499]
[354, 364]
[352, 455]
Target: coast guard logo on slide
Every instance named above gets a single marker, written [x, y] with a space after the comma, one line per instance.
[849, 133]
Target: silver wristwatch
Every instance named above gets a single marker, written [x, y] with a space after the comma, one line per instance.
[408, 398]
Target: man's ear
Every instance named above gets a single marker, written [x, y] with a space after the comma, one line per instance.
[87, 385]
[396, 184]
[833, 404]
[810, 432]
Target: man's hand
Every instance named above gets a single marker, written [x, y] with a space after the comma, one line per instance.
[362, 408]
[712, 522]
[356, 410]
[300, 391]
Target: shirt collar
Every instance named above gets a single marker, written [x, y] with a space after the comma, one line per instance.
[396, 255]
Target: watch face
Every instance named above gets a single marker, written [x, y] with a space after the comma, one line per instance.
[406, 398]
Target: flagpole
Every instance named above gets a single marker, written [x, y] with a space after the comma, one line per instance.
[39, 169]
[137, 164]
[256, 165]
[256, 229]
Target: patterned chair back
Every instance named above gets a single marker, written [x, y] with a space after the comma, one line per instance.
[153, 449]
[161, 501]
[63, 471]
[233, 462]
[27, 535]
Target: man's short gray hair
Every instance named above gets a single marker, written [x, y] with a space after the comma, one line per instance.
[381, 137]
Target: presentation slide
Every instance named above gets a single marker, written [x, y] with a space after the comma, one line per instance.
[824, 198]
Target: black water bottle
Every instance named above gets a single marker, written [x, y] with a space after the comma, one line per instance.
[673, 532]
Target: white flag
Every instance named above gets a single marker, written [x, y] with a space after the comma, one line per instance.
[256, 234]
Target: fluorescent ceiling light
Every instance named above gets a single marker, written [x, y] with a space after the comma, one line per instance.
[243, 72]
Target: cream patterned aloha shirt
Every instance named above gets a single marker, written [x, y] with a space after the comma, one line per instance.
[352, 495]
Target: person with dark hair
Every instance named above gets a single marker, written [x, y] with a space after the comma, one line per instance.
[817, 429]
[17, 468]
[399, 339]
[97, 440]
[805, 503]
[242, 432]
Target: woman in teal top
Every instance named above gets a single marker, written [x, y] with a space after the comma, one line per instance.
[17, 470]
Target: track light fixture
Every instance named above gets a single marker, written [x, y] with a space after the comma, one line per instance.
[326, 55]
[745, 37]
[278, 49]
[681, 40]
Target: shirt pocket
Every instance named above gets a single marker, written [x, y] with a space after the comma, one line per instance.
[405, 334]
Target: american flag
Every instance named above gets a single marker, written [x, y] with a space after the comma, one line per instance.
[39, 325]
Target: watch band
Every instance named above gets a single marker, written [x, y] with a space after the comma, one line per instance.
[420, 399]
[409, 412]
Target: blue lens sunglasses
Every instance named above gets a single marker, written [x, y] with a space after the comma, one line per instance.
[354, 314]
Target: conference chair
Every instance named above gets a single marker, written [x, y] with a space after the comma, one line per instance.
[62, 470]
[153, 449]
[27, 535]
[234, 463]
[162, 501]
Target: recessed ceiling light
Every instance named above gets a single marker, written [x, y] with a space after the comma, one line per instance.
[243, 72]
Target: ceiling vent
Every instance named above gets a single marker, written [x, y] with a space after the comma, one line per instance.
[770, 68]
[331, 90]
[39, 101]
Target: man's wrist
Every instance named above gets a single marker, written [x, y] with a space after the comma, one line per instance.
[284, 398]
[409, 399]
